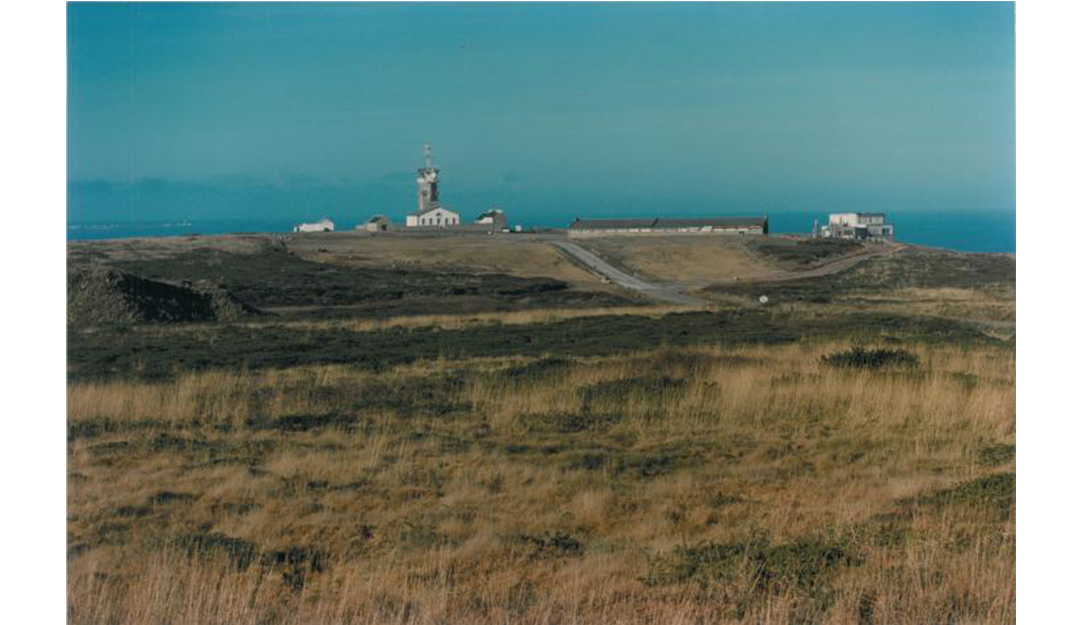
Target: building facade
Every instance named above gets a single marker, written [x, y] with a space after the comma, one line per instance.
[665, 226]
[434, 217]
[378, 223]
[495, 219]
[859, 226]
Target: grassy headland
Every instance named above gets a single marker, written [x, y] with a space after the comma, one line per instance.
[548, 463]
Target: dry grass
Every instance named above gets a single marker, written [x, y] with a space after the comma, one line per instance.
[689, 261]
[518, 255]
[548, 491]
[995, 307]
[457, 322]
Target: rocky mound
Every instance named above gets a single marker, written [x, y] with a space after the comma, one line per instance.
[99, 295]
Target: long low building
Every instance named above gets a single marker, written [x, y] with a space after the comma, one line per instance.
[663, 225]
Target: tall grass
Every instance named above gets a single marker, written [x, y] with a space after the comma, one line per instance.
[459, 321]
[457, 491]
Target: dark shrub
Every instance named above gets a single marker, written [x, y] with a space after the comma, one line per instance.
[538, 369]
[805, 564]
[995, 492]
[995, 455]
[861, 358]
[240, 553]
[572, 422]
[552, 545]
[304, 423]
[622, 390]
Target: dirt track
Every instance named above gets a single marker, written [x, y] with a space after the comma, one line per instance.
[834, 266]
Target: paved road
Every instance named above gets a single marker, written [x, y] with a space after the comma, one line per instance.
[598, 265]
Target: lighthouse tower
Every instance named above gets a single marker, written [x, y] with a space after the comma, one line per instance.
[428, 211]
[428, 180]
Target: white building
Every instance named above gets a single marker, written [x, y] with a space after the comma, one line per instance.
[435, 216]
[858, 226]
[323, 225]
[494, 218]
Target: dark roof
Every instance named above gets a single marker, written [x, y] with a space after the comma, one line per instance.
[715, 222]
[376, 218]
[431, 208]
[665, 223]
[611, 224]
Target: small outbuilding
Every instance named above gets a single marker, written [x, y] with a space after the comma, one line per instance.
[378, 223]
[494, 218]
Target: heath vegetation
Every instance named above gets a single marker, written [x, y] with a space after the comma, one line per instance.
[331, 451]
[725, 484]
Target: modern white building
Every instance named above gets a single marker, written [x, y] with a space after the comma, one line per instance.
[323, 225]
[858, 226]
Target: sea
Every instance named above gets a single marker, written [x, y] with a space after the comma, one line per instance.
[960, 230]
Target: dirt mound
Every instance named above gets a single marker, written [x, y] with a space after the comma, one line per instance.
[99, 295]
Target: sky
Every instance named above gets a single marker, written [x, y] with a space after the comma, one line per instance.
[252, 111]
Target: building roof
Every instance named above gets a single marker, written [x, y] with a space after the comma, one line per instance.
[715, 222]
[433, 207]
[666, 223]
[611, 224]
[378, 218]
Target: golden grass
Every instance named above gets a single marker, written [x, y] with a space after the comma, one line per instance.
[996, 308]
[691, 261]
[435, 504]
[507, 318]
[517, 255]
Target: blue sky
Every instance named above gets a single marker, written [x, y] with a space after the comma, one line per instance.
[295, 110]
